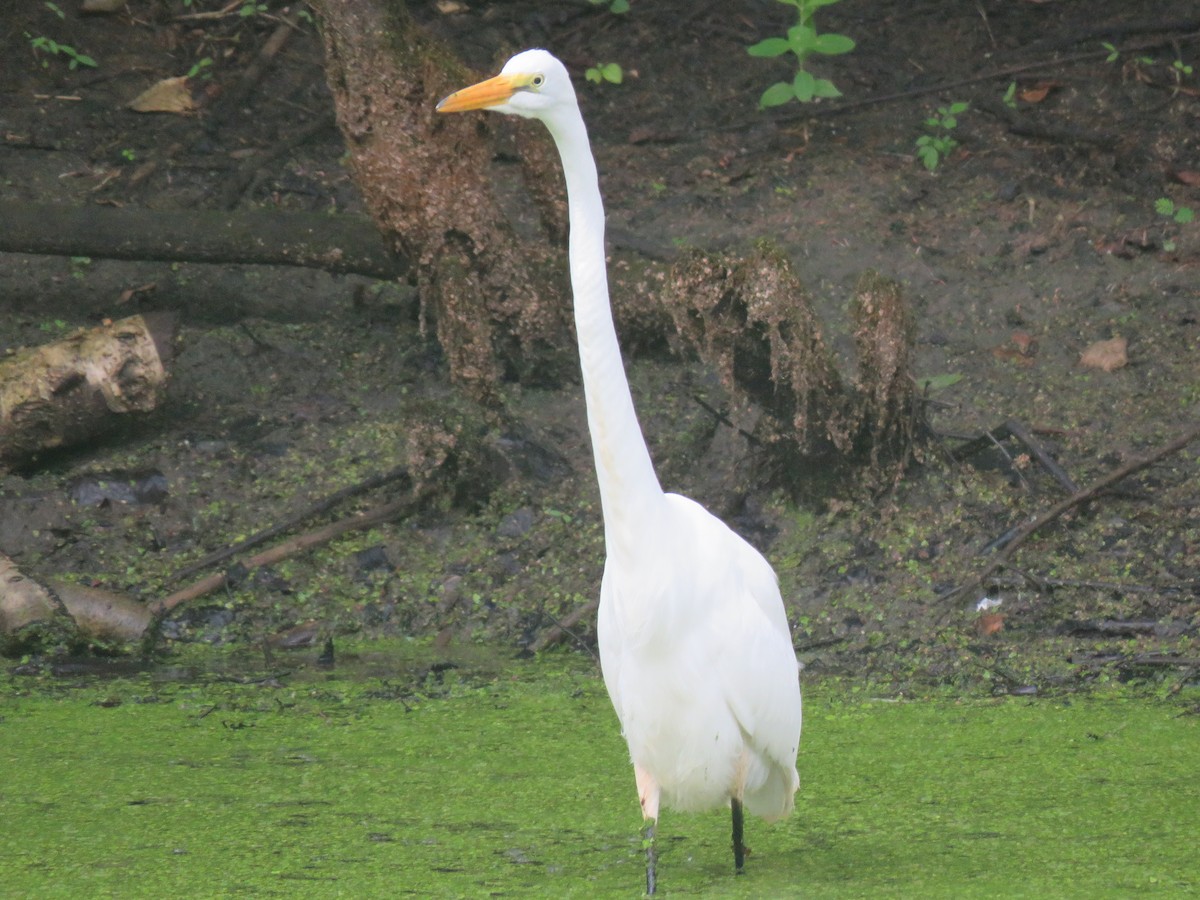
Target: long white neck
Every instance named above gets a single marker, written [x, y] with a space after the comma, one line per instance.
[629, 489]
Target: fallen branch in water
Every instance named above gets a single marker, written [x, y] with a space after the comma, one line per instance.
[52, 614]
[368, 519]
[290, 523]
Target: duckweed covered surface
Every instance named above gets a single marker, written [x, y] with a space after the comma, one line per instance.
[316, 785]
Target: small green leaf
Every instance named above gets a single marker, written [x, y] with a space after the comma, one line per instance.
[619, 6]
[833, 44]
[823, 87]
[774, 46]
[1164, 206]
[612, 72]
[776, 95]
[804, 86]
[956, 108]
[85, 60]
[801, 39]
[939, 382]
[1184, 214]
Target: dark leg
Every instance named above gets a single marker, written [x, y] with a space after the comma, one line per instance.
[651, 860]
[739, 844]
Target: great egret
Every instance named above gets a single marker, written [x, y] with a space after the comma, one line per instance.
[694, 642]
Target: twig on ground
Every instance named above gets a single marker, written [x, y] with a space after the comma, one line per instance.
[320, 507]
[254, 72]
[1015, 430]
[298, 544]
[1041, 583]
[562, 627]
[232, 193]
[1081, 496]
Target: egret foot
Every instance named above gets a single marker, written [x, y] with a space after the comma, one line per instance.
[739, 844]
[651, 860]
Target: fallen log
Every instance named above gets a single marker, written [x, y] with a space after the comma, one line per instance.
[340, 244]
[72, 390]
[52, 613]
[29, 612]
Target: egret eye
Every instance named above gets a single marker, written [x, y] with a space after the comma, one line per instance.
[537, 81]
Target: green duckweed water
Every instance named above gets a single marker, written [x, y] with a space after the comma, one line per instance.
[328, 785]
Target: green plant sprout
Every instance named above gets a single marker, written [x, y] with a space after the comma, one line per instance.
[1010, 95]
[251, 8]
[1114, 54]
[43, 44]
[1180, 215]
[614, 6]
[602, 72]
[933, 148]
[802, 41]
[200, 67]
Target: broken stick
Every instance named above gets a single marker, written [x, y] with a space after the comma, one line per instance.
[1081, 496]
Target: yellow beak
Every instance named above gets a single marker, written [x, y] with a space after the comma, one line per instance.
[492, 92]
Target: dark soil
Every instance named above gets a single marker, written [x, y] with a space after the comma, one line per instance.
[1036, 237]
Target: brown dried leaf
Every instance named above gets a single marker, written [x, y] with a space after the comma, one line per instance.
[1020, 349]
[989, 623]
[1035, 94]
[1025, 342]
[1187, 176]
[1107, 355]
[171, 95]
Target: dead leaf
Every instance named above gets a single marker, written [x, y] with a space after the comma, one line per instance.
[989, 623]
[171, 95]
[1020, 349]
[1107, 355]
[1024, 342]
[1037, 93]
[129, 293]
[1187, 176]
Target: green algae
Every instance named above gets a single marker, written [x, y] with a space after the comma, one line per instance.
[517, 784]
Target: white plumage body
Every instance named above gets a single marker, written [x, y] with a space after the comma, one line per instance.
[698, 661]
